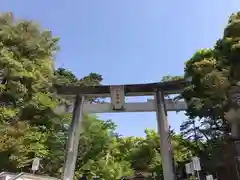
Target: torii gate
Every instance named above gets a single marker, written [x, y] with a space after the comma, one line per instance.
[117, 94]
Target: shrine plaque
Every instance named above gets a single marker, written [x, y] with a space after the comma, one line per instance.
[117, 97]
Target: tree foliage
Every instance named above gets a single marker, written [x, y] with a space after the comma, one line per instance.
[213, 72]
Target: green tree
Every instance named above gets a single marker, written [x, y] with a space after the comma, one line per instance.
[27, 102]
[190, 130]
[65, 77]
[29, 125]
[213, 71]
[171, 78]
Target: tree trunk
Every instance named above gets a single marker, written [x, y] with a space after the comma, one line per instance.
[236, 140]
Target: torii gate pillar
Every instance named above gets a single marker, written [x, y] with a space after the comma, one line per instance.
[73, 140]
[165, 141]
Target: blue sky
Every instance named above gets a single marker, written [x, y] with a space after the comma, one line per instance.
[129, 41]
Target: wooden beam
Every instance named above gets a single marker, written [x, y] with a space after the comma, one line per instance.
[171, 87]
[148, 106]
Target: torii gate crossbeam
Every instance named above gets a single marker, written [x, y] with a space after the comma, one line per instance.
[117, 94]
